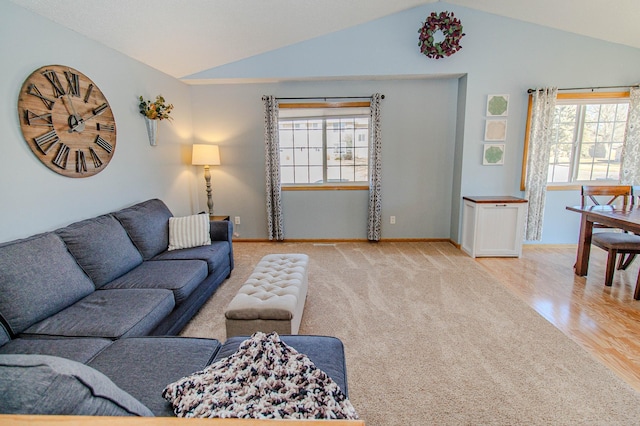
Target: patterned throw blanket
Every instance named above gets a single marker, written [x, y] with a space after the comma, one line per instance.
[264, 378]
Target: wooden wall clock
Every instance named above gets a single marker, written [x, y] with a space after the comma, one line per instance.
[67, 121]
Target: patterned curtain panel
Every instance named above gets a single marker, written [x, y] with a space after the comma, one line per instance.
[630, 168]
[275, 226]
[375, 169]
[542, 113]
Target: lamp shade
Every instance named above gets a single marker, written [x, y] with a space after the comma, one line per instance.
[205, 155]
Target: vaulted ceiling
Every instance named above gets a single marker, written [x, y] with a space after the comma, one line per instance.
[183, 37]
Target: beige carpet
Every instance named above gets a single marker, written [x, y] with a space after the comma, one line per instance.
[431, 338]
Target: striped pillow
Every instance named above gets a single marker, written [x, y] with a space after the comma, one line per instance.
[189, 231]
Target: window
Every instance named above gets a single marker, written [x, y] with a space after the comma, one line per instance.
[324, 147]
[587, 140]
[587, 137]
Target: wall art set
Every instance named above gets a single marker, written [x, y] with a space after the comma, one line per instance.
[495, 130]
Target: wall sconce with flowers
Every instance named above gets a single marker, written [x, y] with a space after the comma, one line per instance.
[153, 112]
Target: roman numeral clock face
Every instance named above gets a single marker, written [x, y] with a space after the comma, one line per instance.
[66, 121]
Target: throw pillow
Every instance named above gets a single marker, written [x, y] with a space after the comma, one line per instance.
[42, 384]
[189, 231]
[264, 378]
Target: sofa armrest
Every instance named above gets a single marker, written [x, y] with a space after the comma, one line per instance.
[222, 230]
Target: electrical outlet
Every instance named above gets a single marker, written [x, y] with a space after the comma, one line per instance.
[236, 220]
[392, 220]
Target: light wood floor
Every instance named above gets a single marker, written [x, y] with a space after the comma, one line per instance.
[603, 320]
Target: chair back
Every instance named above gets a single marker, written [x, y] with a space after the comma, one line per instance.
[614, 193]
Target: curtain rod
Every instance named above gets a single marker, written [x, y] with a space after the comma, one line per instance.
[593, 88]
[327, 97]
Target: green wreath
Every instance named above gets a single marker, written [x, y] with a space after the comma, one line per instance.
[451, 29]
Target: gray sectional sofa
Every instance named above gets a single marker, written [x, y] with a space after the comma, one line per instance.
[109, 277]
[92, 376]
[89, 314]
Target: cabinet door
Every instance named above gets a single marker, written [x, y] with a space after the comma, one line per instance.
[499, 230]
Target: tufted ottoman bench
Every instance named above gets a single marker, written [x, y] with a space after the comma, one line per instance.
[272, 299]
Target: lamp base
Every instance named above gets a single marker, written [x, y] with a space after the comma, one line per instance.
[207, 178]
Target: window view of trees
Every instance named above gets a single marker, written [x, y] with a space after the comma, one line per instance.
[587, 141]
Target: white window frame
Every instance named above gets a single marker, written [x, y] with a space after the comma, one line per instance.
[574, 99]
[323, 112]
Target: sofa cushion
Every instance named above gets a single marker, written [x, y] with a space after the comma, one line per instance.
[77, 349]
[40, 384]
[179, 276]
[189, 231]
[143, 366]
[111, 314]
[38, 277]
[147, 224]
[102, 248]
[216, 255]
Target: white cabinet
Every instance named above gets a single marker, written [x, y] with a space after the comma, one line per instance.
[493, 226]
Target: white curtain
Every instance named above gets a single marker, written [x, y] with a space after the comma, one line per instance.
[375, 171]
[630, 168]
[275, 226]
[542, 113]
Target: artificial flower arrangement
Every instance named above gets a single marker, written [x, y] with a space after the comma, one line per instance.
[158, 110]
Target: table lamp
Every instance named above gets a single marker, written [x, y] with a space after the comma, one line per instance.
[206, 155]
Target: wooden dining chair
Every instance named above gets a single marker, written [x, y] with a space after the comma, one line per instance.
[614, 194]
[614, 243]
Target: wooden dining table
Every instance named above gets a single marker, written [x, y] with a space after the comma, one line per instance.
[622, 217]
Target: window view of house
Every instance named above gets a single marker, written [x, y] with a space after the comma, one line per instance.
[324, 150]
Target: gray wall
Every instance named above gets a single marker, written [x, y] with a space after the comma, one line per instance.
[34, 198]
[418, 126]
[499, 56]
[433, 120]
